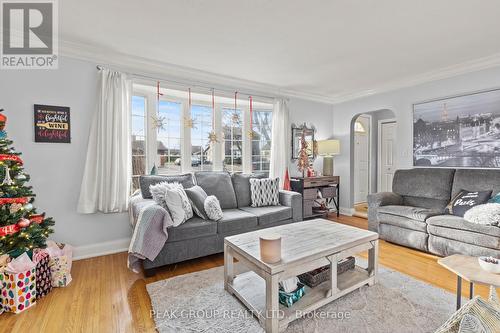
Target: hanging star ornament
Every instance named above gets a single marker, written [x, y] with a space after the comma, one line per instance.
[159, 122]
[251, 134]
[189, 122]
[235, 118]
[212, 137]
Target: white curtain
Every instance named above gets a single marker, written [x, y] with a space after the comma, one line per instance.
[108, 167]
[280, 143]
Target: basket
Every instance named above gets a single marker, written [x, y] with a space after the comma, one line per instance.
[322, 274]
[287, 299]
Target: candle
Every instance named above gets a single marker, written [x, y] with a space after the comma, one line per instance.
[270, 248]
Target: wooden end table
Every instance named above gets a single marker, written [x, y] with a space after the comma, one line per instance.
[467, 268]
[305, 246]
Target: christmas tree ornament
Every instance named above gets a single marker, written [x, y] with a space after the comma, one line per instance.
[20, 176]
[3, 120]
[189, 122]
[28, 207]
[6, 179]
[3, 134]
[14, 208]
[23, 223]
[212, 137]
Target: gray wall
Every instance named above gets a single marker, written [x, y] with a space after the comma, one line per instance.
[56, 169]
[400, 102]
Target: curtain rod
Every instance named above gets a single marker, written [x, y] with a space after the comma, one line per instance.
[187, 85]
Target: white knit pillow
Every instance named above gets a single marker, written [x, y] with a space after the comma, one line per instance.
[212, 208]
[173, 197]
[485, 214]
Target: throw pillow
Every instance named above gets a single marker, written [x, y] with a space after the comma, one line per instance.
[197, 196]
[465, 200]
[173, 198]
[265, 192]
[212, 208]
[146, 181]
[485, 214]
[495, 198]
[178, 204]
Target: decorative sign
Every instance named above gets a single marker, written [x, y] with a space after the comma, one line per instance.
[52, 124]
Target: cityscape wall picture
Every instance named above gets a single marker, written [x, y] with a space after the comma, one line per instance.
[462, 131]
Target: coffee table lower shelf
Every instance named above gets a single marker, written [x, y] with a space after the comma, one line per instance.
[250, 289]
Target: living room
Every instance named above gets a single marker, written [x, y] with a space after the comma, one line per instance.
[264, 166]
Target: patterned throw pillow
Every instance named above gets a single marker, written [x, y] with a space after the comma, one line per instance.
[265, 192]
[212, 208]
[465, 200]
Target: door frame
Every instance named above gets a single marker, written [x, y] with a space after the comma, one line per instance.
[379, 148]
[370, 152]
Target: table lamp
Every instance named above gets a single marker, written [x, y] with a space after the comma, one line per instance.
[328, 148]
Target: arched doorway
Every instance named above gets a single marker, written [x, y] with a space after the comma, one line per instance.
[372, 135]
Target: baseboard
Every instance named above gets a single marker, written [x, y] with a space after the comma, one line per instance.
[100, 249]
[347, 211]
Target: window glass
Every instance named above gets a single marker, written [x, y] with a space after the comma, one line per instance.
[169, 138]
[201, 150]
[138, 127]
[232, 121]
[261, 140]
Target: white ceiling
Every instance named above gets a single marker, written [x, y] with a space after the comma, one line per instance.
[325, 48]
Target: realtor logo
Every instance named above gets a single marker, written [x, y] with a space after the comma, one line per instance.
[29, 34]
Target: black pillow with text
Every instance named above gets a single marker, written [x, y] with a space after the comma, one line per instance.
[465, 200]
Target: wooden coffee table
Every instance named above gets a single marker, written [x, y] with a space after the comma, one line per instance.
[467, 268]
[305, 246]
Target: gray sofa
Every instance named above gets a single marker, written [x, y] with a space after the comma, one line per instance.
[413, 214]
[198, 237]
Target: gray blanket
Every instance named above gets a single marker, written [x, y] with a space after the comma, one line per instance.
[150, 222]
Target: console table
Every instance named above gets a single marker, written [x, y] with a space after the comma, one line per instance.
[329, 186]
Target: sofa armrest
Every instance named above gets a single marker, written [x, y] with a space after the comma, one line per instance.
[384, 199]
[377, 200]
[294, 200]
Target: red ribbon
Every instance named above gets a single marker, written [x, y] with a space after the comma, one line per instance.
[251, 108]
[21, 200]
[37, 218]
[235, 96]
[14, 158]
[189, 98]
[9, 229]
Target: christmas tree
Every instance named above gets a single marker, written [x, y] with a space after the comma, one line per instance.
[21, 227]
[303, 158]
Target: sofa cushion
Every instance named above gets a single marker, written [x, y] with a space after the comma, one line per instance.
[476, 180]
[456, 222]
[403, 236]
[446, 247]
[192, 228]
[403, 222]
[414, 213]
[465, 236]
[145, 181]
[424, 182]
[270, 214]
[218, 183]
[241, 184]
[236, 219]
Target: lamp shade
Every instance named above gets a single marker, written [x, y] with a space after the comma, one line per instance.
[329, 147]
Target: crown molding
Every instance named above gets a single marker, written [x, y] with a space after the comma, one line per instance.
[162, 70]
[439, 74]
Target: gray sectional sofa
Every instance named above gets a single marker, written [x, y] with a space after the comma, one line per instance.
[413, 214]
[197, 237]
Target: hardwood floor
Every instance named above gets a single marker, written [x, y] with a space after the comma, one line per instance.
[106, 297]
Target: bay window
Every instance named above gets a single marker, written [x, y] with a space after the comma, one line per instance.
[172, 132]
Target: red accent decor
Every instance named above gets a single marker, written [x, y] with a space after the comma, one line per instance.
[189, 98]
[286, 181]
[37, 218]
[9, 229]
[21, 200]
[14, 158]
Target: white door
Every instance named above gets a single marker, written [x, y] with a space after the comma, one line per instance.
[387, 136]
[361, 158]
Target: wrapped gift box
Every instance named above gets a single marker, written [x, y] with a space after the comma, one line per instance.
[18, 290]
[43, 273]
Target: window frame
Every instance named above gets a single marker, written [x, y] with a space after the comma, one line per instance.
[151, 133]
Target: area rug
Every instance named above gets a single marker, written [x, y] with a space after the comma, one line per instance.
[197, 302]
